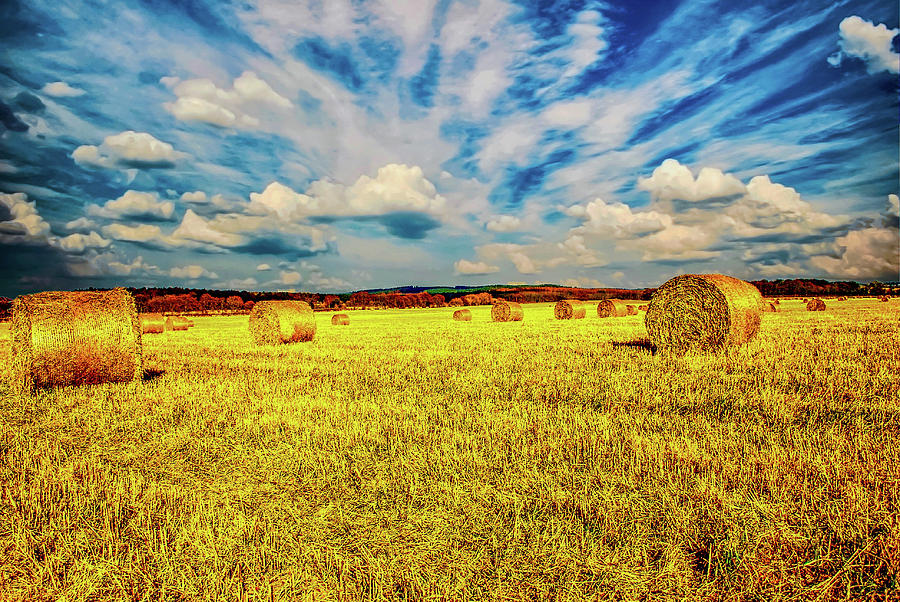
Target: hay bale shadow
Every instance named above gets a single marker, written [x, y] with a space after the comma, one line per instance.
[644, 344]
[151, 374]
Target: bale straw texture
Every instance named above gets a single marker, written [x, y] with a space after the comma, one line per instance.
[815, 305]
[569, 309]
[703, 312]
[612, 308]
[177, 323]
[884, 299]
[506, 311]
[152, 323]
[632, 310]
[769, 307]
[275, 322]
[462, 315]
[340, 320]
[74, 338]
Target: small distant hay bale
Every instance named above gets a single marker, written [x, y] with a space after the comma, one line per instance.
[276, 322]
[703, 312]
[152, 323]
[612, 308]
[177, 323]
[340, 320]
[815, 305]
[769, 307]
[569, 309]
[642, 308]
[74, 338]
[462, 315]
[632, 310]
[506, 311]
[884, 299]
[842, 298]
[777, 301]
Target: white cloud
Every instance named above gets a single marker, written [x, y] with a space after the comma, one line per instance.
[264, 267]
[672, 180]
[134, 203]
[523, 263]
[198, 197]
[769, 208]
[128, 149]
[202, 100]
[568, 113]
[617, 219]
[81, 223]
[893, 205]
[195, 228]
[77, 243]
[141, 233]
[504, 223]
[676, 242]
[26, 224]
[290, 277]
[464, 266]
[394, 188]
[61, 89]
[238, 284]
[192, 272]
[582, 282]
[575, 245]
[868, 253]
[864, 40]
[109, 264]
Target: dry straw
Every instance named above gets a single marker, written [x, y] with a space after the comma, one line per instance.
[274, 322]
[884, 299]
[769, 307]
[632, 310]
[506, 311]
[815, 305]
[74, 338]
[462, 315]
[340, 320]
[703, 312]
[177, 323]
[643, 308]
[612, 308]
[569, 309]
[152, 323]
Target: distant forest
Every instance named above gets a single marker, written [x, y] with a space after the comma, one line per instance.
[182, 300]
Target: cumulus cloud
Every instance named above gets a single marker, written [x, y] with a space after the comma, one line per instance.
[289, 277]
[127, 150]
[464, 266]
[109, 264]
[61, 89]
[871, 43]
[194, 197]
[672, 180]
[195, 228]
[575, 246]
[769, 208]
[81, 223]
[77, 243]
[867, 253]
[504, 223]
[134, 204]
[202, 100]
[617, 219]
[264, 267]
[192, 272]
[893, 205]
[24, 223]
[141, 233]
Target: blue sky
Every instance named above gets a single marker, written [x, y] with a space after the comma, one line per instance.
[341, 145]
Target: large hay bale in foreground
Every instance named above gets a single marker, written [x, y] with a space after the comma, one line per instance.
[612, 308]
[340, 320]
[152, 323]
[506, 311]
[74, 338]
[275, 322]
[569, 309]
[177, 323]
[705, 312]
[462, 315]
[815, 305]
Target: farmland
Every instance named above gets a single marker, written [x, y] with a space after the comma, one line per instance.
[407, 456]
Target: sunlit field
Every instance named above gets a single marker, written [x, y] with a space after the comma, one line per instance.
[407, 456]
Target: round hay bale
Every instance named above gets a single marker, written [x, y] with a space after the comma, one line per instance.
[275, 322]
[506, 311]
[462, 315]
[340, 320]
[612, 308]
[74, 338]
[569, 309]
[632, 310]
[884, 299]
[177, 323]
[815, 305]
[642, 308]
[152, 323]
[769, 307]
[777, 302]
[704, 312]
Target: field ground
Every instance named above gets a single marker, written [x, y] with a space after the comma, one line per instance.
[406, 456]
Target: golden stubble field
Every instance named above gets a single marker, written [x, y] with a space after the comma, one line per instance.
[407, 456]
